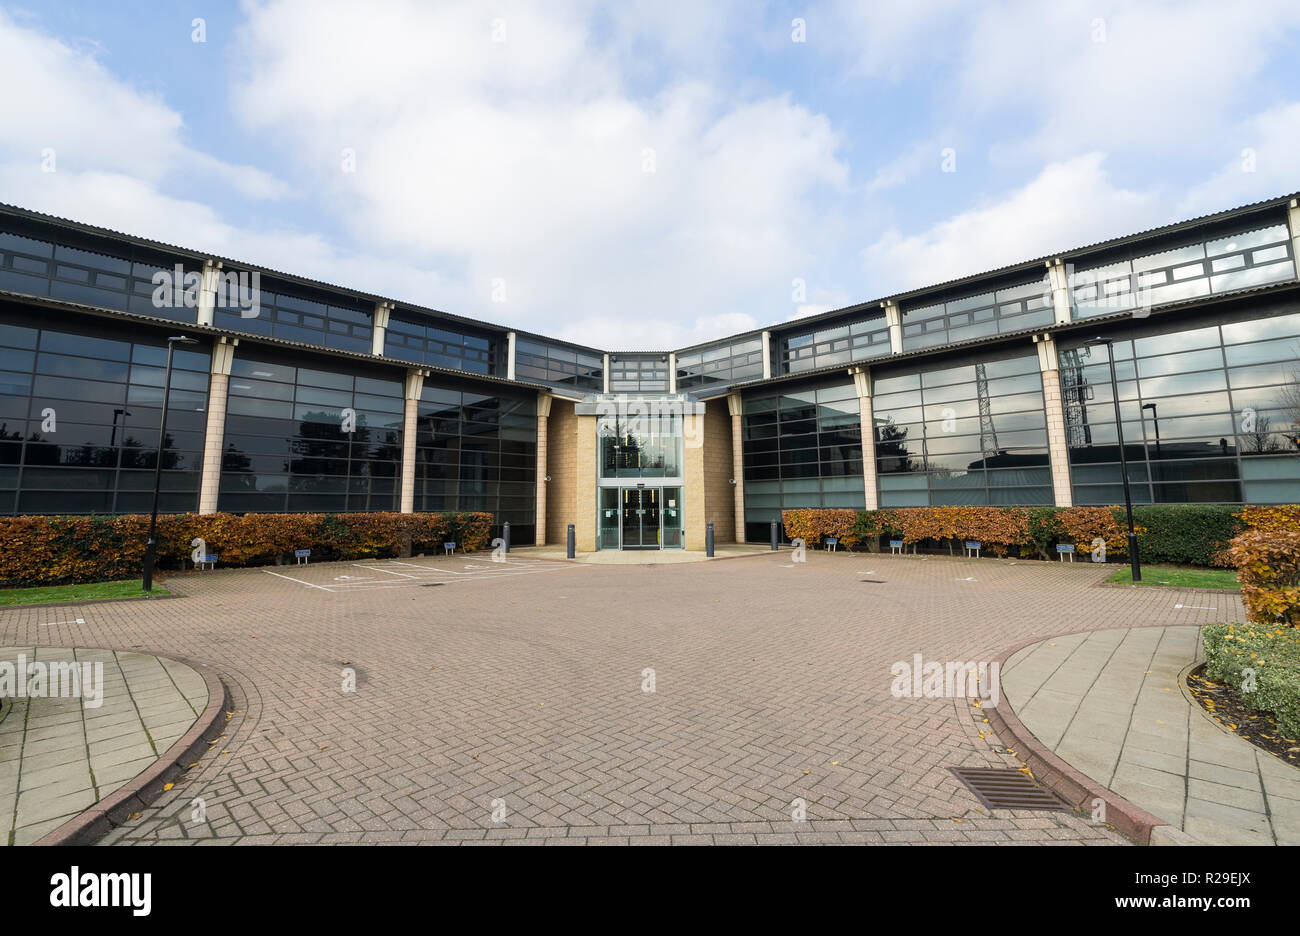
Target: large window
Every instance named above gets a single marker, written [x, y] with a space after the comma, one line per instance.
[66, 269]
[561, 365]
[638, 373]
[425, 341]
[1015, 308]
[293, 318]
[971, 433]
[325, 438]
[839, 344]
[802, 448]
[79, 414]
[478, 451]
[642, 439]
[1211, 413]
[1200, 268]
[716, 367]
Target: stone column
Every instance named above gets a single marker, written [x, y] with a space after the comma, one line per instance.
[379, 327]
[1060, 286]
[1293, 219]
[867, 422]
[414, 384]
[543, 417]
[894, 319]
[586, 472]
[672, 372]
[1057, 445]
[735, 407]
[510, 355]
[209, 280]
[694, 493]
[214, 436]
[767, 355]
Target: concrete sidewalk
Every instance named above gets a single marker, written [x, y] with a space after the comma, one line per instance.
[61, 755]
[1110, 704]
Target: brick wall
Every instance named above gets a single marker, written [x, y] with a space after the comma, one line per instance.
[561, 465]
[719, 498]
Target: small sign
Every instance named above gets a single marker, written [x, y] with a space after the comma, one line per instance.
[895, 542]
[832, 541]
[209, 558]
[972, 544]
[302, 553]
[1064, 548]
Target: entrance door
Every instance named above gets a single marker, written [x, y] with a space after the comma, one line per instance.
[641, 518]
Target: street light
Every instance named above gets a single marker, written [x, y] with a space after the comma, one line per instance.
[151, 545]
[1123, 460]
[1155, 418]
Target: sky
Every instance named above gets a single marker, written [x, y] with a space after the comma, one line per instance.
[644, 175]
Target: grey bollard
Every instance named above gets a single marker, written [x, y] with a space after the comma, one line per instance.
[572, 547]
[708, 539]
[505, 537]
[773, 536]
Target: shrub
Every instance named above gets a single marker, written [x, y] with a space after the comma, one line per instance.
[813, 526]
[1186, 534]
[1261, 663]
[1268, 567]
[1282, 517]
[45, 550]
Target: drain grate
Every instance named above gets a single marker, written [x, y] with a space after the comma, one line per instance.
[1005, 789]
[432, 584]
[874, 581]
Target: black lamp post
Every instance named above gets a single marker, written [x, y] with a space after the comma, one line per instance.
[1134, 564]
[1155, 418]
[151, 545]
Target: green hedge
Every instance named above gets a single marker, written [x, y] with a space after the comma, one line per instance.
[1262, 664]
[1186, 534]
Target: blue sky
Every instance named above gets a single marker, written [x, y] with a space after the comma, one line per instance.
[645, 175]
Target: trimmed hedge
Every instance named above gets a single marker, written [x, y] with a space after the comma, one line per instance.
[1261, 663]
[1186, 534]
[1268, 567]
[53, 550]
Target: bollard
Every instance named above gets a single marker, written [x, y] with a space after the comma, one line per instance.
[573, 551]
[708, 539]
[773, 536]
[505, 537]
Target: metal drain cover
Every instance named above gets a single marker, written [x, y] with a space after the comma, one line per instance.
[999, 788]
[874, 581]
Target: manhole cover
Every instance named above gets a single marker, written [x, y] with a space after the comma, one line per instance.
[1005, 789]
[874, 581]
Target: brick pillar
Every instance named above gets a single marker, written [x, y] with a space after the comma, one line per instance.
[1060, 286]
[1057, 446]
[543, 417]
[214, 436]
[695, 493]
[414, 384]
[867, 422]
[379, 327]
[736, 408]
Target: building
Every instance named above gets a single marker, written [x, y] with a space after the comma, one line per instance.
[302, 396]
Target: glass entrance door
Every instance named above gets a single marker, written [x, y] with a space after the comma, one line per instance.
[641, 517]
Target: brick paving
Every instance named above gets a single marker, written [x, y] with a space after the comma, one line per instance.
[505, 704]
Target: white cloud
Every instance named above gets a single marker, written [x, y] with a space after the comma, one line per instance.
[1067, 205]
[1265, 162]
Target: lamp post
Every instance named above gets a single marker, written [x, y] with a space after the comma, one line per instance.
[151, 545]
[1134, 564]
[112, 439]
[1155, 418]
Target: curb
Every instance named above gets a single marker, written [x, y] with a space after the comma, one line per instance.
[116, 809]
[1071, 785]
[87, 602]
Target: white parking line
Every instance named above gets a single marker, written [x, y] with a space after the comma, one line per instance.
[299, 581]
[382, 569]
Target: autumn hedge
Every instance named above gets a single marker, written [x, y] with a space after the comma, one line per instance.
[1190, 534]
[54, 550]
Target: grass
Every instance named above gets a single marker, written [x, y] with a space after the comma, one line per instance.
[131, 588]
[1172, 576]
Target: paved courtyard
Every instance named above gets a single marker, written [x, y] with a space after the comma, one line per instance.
[506, 702]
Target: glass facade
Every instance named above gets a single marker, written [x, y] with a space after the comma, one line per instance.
[802, 448]
[968, 433]
[476, 450]
[319, 439]
[1211, 413]
[345, 326]
[62, 268]
[561, 365]
[720, 365]
[1015, 308]
[638, 373]
[428, 342]
[1221, 264]
[80, 405]
[837, 344]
